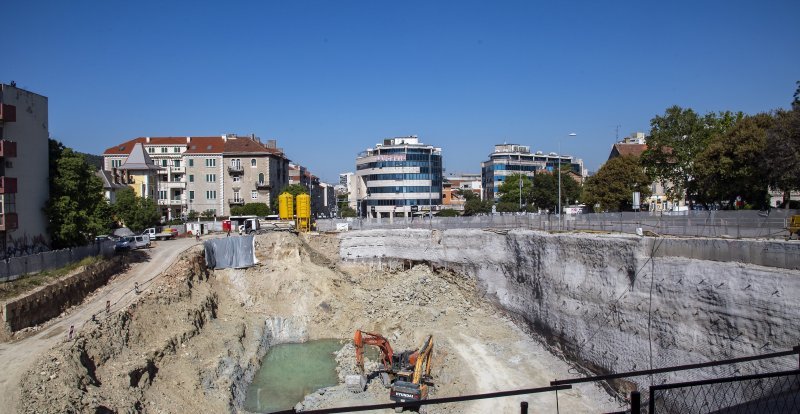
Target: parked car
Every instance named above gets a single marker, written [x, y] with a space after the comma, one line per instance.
[124, 243]
[141, 242]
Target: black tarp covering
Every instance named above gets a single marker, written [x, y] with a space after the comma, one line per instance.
[230, 252]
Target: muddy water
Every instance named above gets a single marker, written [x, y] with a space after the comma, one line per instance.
[289, 372]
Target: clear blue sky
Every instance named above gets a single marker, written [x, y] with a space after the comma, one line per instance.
[328, 79]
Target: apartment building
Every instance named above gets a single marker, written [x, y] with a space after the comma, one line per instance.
[454, 184]
[24, 186]
[512, 159]
[209, 172]
[401, 176]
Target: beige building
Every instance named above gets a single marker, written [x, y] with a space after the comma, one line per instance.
[208, 173]
[24, 186]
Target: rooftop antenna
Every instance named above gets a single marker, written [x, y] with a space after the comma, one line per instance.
[618, 125]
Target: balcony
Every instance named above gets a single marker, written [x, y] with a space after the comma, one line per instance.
[8, 113]
[236, 201]
[8, 149]
[263, 186]
[173, 184]
[235, 169]
[171, 202]
[8, 185]
[8, 221]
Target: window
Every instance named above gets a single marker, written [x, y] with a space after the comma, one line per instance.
[191, 162]
[162, 194]
[237, 179]
[163, 163]
[191, 195]
[151, 150]
[116, 163]
[261, 178]
[254, 195]
[164, 149]
[236, 195]
[211, 178]
[253, 162]
[191, 178]
[211, 162]
[176, 149]
[211, 195]
[176, 163]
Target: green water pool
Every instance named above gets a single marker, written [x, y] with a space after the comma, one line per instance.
[289, 372]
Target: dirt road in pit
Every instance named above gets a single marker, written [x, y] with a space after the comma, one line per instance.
[17, 356]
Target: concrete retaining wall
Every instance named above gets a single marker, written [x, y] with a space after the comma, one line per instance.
[50, 301]
[606, 303]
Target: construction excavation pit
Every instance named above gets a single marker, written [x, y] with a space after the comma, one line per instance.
[380, 316]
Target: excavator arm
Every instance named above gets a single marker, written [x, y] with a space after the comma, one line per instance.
[361, 338]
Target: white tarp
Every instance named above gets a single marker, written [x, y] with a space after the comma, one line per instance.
[230, 252]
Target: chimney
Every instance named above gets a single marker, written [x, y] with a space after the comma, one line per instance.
[147, 139]
[271, 143]
[188, 139]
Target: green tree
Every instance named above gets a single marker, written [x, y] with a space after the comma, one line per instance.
[782, 156]
[77, 209]
[733, 163]
[675, 142]
[544, 194]
[208, 214]
[251, 209]
[611, 188]
[346, 211]
[467, 194]
[447, 212]
[476, 206]
[136, 213]
[512, 193]
[192, 215]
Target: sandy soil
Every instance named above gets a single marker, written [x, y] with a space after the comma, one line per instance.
[194, 340]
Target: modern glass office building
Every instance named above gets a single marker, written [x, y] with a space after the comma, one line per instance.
[401, 177]
[511, 159]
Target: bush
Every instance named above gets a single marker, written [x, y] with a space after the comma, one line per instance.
[448, 212]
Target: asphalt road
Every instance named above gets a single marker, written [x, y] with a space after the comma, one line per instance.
[17, 356]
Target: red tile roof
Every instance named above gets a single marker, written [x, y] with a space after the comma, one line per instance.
[199, 145]
[620, 150]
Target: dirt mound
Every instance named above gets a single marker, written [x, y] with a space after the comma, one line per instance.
[193, 342]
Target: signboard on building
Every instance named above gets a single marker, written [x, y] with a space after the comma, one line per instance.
[414, 209]
[390, 157]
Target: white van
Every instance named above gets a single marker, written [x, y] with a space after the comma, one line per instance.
[141, 242]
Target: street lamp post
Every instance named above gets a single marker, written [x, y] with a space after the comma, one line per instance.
[572, 134]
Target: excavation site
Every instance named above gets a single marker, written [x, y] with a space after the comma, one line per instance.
[311, 324]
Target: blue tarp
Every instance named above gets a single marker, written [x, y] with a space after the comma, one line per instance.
[230, 252]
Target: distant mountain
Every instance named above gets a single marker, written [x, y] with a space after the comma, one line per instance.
[96, 161]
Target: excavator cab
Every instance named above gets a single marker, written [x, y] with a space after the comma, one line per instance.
[412, 386]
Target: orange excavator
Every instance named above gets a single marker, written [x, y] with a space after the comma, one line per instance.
[406, 373]
[394, 364]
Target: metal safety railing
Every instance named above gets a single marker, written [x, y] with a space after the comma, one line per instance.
[712, 394]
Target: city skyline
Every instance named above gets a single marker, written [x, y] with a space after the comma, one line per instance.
[330, 79]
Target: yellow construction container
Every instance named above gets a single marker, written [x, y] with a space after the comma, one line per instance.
[303, 212]
[286, 206]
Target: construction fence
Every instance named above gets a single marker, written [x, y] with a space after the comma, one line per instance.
[16, 267]
[726, 224]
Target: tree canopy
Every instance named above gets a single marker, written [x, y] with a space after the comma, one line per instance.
[251, 209]
[136, 213]
[512, 195]
[544, 194]
[77, 210]
[611, 188]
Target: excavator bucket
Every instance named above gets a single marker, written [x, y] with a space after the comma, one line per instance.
[356, 383]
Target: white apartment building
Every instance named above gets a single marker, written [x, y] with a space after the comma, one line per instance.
[24, 168]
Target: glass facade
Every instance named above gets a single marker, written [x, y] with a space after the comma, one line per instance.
[413, 177]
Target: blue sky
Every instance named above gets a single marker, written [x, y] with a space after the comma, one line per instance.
[328, 79]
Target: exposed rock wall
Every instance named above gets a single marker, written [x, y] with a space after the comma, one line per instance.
[50, 301]
[590, 295]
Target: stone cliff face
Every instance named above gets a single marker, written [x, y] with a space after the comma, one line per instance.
[606, 301]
